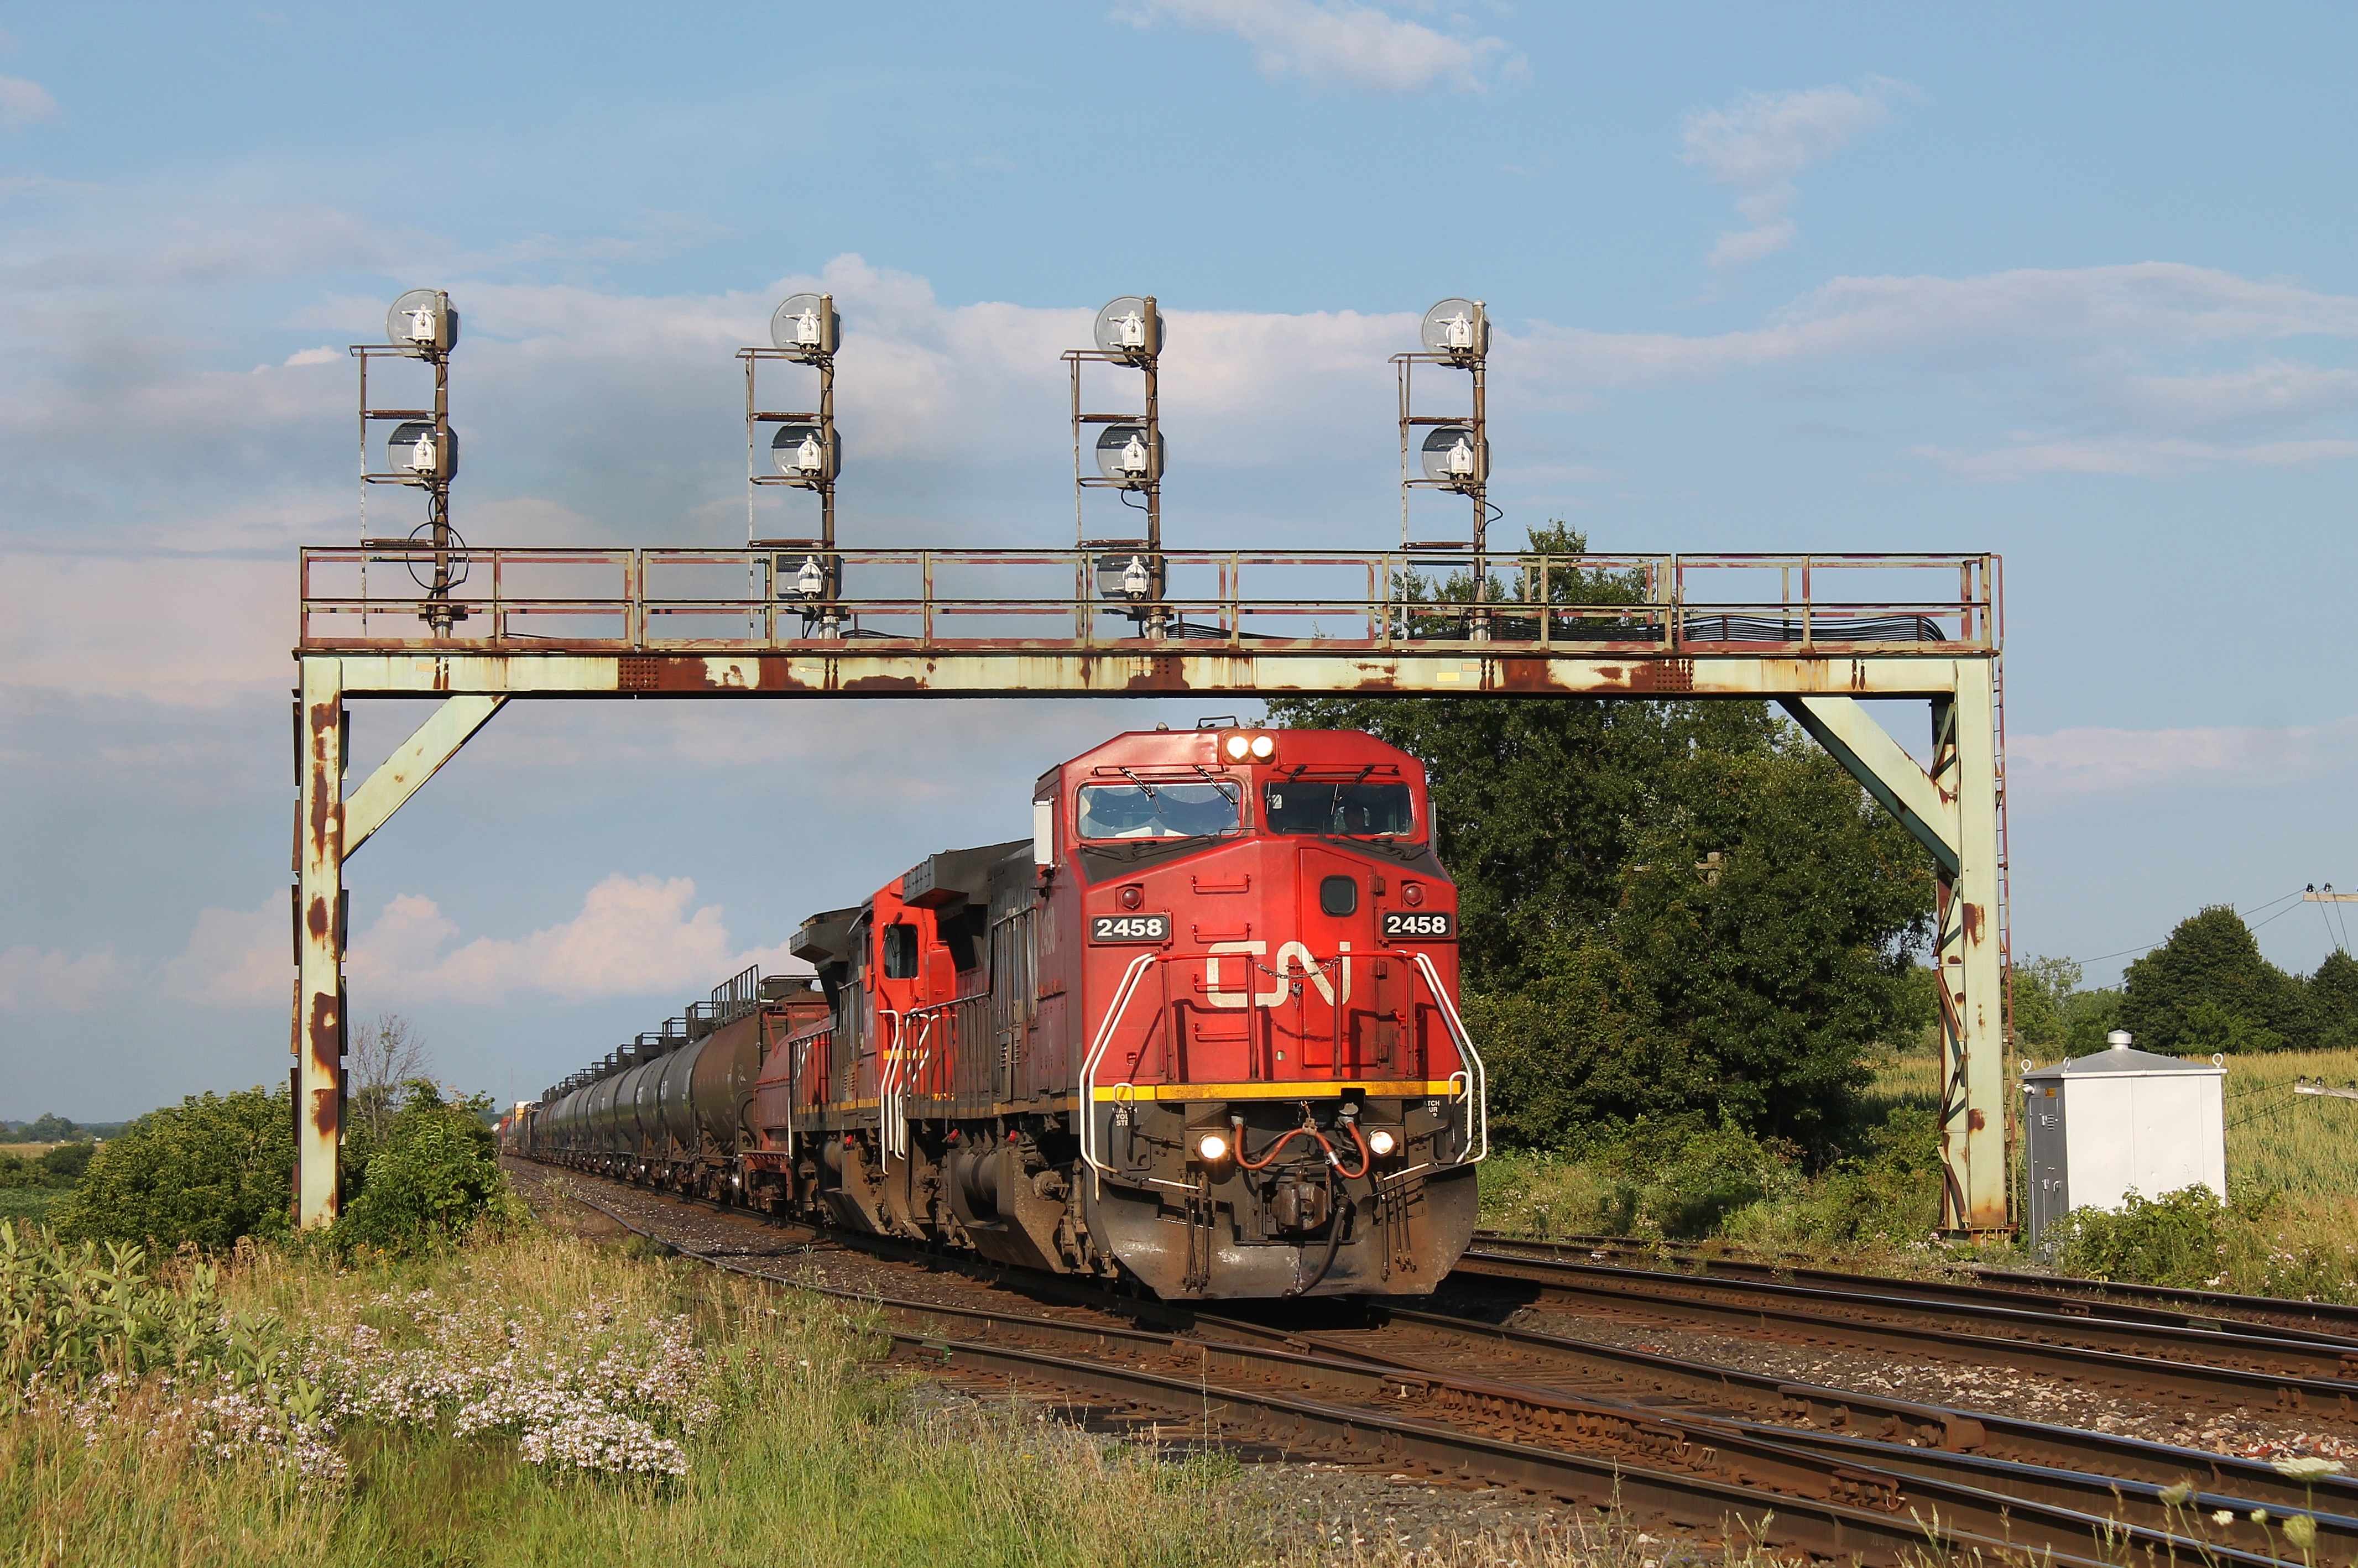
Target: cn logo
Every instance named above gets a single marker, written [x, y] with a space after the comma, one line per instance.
[1291, 958]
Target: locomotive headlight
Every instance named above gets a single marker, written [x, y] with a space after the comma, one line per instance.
[1263, 748]
[1382, 1142]
[1237, 746]
[1212, 1148]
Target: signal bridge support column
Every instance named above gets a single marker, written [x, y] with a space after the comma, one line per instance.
[328, 827]
[1953, 813]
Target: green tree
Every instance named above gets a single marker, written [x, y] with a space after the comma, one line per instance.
[1617, 968]
[2208, 989]
[64, 1166]
[210, 1170]
[2053, 1016]
[50, 1128]
[2333, 1002]
[430, 1172]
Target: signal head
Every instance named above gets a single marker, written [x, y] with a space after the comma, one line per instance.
[423, 320]
[1458, 329]
[1130, 328]
[807, 327]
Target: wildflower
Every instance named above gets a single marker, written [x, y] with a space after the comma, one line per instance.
[2176, 1493]
[2307, 1467]
[2225, 1516]
[2301, 1531]
[2259, 1516]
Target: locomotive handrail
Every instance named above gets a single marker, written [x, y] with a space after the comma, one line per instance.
[893, 1093]
[1479, 1085]
[1098, 1169]
[904, 1077]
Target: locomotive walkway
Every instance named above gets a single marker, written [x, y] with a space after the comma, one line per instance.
[1832, 1472]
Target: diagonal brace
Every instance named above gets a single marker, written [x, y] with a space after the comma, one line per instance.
[417, 760]
[1884, 768]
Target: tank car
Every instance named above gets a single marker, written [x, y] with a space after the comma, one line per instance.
[1199, 1033]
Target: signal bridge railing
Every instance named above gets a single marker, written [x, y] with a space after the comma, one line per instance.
[373, 598]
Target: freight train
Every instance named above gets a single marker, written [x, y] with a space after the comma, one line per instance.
[1199, 1034]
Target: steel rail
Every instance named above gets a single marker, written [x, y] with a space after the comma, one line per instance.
[2044, 1509]
[2320, 1323]
[2134, 1356]
[1409, 1338]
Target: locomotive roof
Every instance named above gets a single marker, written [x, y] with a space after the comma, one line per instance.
[1200, 748]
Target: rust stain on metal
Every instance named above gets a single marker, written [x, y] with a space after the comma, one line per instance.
[315, 920]
[636, 671]
[884, 683]
[326, 809]
[325, 1039]
[1664, 676]
[1523, 676]
[1164, 672]
[1975, 1120]
[1972, 922]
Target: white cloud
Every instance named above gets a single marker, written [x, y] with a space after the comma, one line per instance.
[1758, 145]
[2103, 370]
[24, 103]
[236, 957]
[2131, 457]
[634, 936]
[49, 979]
[2071, 762]
[1337, 43]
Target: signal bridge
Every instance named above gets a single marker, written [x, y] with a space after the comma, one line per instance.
[809, 619]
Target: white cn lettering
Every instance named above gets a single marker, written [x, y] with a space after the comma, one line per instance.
[1287, 957]
[1213, 995]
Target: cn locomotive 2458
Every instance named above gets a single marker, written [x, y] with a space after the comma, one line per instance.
[1199, 1033]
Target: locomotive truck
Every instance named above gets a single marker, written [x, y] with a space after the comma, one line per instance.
[1198, 1034]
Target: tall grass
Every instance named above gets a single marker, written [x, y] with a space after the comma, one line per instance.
[810, 1453]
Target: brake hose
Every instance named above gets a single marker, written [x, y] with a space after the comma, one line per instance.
[1334, 1232]
[1269, 1155]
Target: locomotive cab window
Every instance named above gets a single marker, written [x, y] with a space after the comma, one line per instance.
[1338, 809]
[1148, 810]
[900, 952]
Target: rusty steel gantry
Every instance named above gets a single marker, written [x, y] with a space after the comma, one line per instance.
[1819, 635]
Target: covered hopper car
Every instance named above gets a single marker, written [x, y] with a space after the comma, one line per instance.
[1199, 1033]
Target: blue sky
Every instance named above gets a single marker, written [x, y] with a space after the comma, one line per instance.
[2079, 287]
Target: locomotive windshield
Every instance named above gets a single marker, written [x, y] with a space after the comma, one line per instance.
[1158, 810]
[1338, 809]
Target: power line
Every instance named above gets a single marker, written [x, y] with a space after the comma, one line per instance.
[2149, 946]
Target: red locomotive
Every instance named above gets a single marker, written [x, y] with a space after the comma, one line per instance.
[1200, 1031]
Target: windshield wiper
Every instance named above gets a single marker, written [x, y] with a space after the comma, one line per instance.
[1225, 786]
[1142, 783]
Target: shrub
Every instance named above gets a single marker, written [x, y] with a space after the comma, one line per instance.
[74, 1316]
[16, 1171]
[64, 1165]
[2177, 1239]
[208, 1171]
[432, 1173]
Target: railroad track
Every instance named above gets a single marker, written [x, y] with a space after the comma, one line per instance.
[2311, 1376]
[2213, 1310]
[1378, 1391]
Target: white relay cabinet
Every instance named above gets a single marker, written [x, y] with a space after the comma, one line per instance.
[2122, 1120]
